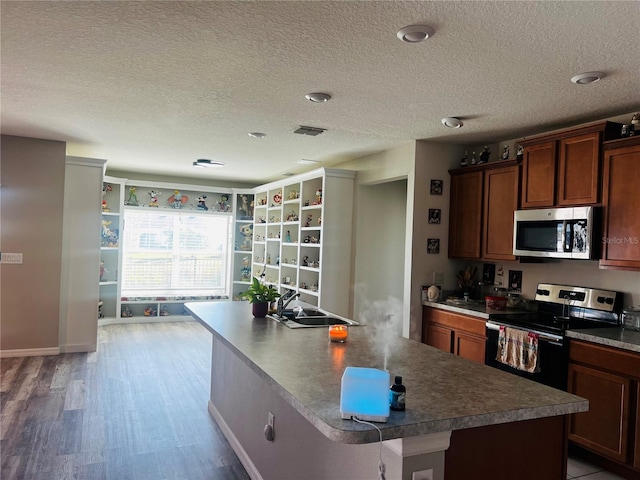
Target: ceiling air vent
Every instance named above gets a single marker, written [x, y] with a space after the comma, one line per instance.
[313, 131]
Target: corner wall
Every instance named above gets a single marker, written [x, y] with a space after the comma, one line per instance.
[31, 213]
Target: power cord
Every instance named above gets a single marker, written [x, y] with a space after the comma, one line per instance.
[381, 466]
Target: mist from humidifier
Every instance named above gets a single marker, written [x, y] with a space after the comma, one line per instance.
[383, 319]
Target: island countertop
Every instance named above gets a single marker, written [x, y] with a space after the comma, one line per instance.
[444, 392]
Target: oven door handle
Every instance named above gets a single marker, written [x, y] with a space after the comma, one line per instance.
[547, 337]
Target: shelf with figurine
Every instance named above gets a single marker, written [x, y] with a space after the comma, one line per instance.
[179, 197]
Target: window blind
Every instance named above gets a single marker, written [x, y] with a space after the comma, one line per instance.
[174, 253]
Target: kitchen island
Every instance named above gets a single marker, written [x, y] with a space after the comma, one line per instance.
[463, 420]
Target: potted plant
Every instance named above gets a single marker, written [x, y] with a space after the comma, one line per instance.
[260, 295]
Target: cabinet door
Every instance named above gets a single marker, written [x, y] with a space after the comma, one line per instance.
[621, 200]
[604, 428]
[500, 201]
[439, 337]
[471, 347]
[465, 224]
[539, 176]
[579, 170]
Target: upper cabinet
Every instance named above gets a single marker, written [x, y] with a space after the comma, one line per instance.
[483, 199]
[621, 201]
[564, 168]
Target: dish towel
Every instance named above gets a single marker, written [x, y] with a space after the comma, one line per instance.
[518, 349]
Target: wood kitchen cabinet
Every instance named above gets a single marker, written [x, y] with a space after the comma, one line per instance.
[501, 195]
[462, 335]
[483, 199]
[621, 201]
[564, 168]
[610, 379]
[465, 222]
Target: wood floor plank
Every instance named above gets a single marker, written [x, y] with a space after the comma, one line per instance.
[134, 409]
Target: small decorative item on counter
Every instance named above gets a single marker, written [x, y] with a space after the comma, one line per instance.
[505, 152]
[433, 293]
[484, 156]
[397, 394]
[338, 333]
[465, 160]
[495, 302]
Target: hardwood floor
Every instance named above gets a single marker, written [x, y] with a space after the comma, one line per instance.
[134, 409]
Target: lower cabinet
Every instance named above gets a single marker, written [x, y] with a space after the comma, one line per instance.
[610, 379]
[462, 335]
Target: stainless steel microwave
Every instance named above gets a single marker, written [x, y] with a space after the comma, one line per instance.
[556, 233]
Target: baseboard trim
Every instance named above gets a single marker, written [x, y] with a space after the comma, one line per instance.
[248, 465]
[78, 348]
[131, 320]
[30, 352]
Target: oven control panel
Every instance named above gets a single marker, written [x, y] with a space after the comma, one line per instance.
[584, 297]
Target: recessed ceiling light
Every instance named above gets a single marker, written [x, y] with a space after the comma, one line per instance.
[318, 97]
[586, 78]
[415, 33]
[205, 163]
[257, 134]
[452, 122]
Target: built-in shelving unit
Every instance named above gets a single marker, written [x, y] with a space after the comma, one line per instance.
[302, 236]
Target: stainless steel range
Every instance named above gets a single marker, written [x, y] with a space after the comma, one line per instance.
[560, 308]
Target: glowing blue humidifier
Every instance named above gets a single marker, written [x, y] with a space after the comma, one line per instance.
[365, 394]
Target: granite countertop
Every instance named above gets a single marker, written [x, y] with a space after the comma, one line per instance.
[444, 392]
[624, 339]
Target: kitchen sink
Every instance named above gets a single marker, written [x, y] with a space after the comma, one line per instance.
[309, 318]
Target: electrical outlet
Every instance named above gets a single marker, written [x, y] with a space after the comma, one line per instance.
[11, 258]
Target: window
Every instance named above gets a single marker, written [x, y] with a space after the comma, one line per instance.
[175, 253]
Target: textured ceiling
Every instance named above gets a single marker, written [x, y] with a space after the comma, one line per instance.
[152, 86]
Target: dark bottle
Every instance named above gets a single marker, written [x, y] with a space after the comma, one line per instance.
[397, 394]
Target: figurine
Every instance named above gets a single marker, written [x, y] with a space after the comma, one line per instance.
[154, 198]
[247, 232]
[520, 153]
[277, 198]
[464, 162]
[505, 152]
[150, 311]
[223, 205]
[288, 237]
[164, 311]
[307, 239]
[100, 313]
[109, 237]
[293, 195]
[177, 200]
[309, 219]
[126, 312]
[105, 188]
[305, 261]
[103, 270]
[318, 197]
[319, 220]
[201, 202]
[484, 156]
[474, 161]
[132, 201]
[245, 271]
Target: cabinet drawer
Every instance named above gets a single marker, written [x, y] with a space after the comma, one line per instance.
[605, 358]
[455, 321]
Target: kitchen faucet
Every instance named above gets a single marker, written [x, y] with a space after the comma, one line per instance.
[282, 304]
